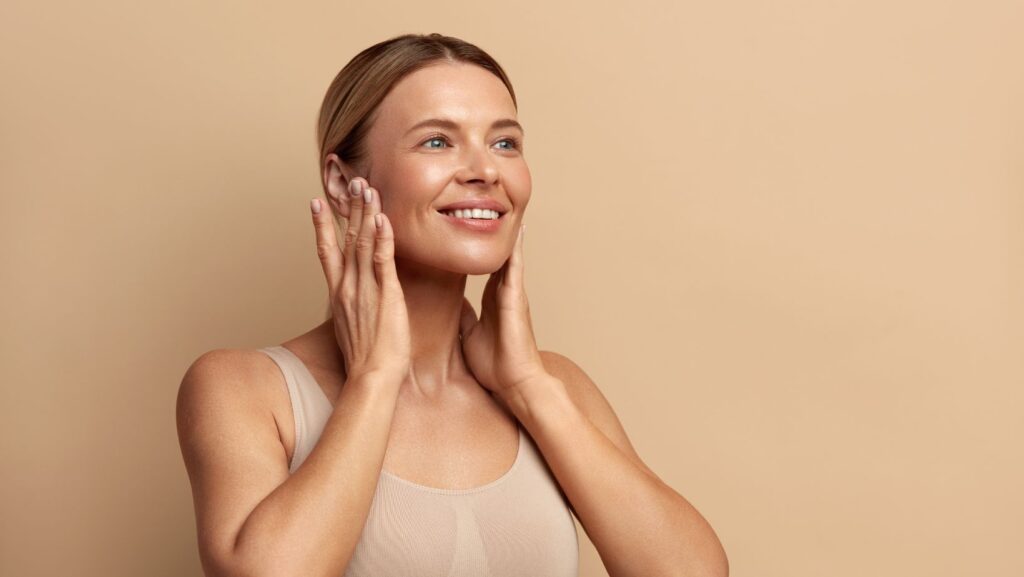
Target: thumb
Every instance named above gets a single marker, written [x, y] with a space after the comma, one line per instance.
[468, 317]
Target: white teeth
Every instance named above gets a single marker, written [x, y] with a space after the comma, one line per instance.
[478, 213]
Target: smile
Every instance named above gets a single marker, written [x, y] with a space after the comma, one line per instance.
[485, 222]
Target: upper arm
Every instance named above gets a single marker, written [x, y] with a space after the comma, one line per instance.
[585, 394]
[231, 447]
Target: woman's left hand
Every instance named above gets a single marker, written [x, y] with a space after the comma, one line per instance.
[499, 347]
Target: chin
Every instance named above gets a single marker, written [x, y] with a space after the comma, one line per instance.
[481, 270]
[482, 265]
[474, 267]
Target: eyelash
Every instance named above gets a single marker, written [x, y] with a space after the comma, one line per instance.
[516, 143]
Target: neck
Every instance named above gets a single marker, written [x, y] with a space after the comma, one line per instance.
[434, 301]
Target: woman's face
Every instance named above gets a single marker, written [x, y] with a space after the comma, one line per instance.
[420, 168]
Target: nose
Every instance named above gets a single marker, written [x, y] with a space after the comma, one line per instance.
[478, 165]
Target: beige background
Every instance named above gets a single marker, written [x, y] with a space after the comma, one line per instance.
[785, 238]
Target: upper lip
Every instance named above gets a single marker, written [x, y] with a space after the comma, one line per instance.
[480, 203]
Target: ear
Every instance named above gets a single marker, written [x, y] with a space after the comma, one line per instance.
[337, 175]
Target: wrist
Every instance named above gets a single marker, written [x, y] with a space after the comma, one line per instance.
[537, 400]
[375, 380]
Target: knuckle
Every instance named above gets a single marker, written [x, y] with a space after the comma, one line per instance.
[323, 250]
[338, 300]
[347, 295]
[364, 243]
[389, 298]
[350, 237]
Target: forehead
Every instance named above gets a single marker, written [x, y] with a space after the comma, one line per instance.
[465, 93]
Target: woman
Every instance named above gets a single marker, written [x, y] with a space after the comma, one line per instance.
[405, 435]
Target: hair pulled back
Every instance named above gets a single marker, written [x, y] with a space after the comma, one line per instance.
[350, 106]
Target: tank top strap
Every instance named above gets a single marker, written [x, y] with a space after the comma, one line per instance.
[310, 408]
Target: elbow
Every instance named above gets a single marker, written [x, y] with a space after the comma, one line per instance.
[220, 567]
[716, 565]
[708, 570]
[229, 564]
[712, 560]
[717, 569]
[264, 565]
[721, 564]
[711, 564]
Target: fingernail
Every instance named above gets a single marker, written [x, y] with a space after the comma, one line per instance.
[353, 187]
[314, 205]
[367, 195]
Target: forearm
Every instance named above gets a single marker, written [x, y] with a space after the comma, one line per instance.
[639, 525]
[311, 523]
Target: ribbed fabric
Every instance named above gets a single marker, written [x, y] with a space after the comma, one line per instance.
[518, 525]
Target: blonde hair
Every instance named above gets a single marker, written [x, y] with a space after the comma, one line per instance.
[350, 106]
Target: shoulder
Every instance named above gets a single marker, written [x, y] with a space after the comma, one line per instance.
[228, 399]
[224, 382]
[221, 362]
[586, 395]
[230, 444]
[581, 388]
[227, 372]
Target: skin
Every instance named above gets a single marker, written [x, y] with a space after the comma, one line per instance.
[577, 430]
[468, 381]
[415, 176]
[446, 415]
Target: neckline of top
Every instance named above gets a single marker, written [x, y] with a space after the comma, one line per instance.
[520, 450]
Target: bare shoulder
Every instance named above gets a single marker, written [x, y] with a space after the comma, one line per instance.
[224, 380]
[230, 443]
[582, 389]
[222, 386]
[585, 393]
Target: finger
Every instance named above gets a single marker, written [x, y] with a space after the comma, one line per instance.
[489, 300]
[503, 271]
[366, 242]
[355, 218]
[468, 317]
[327, 242]
[514, 274]
[384, 256]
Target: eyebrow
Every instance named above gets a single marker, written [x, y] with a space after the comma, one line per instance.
[451, 124]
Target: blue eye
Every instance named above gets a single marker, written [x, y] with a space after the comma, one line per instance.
[515, 142]
[433, 138]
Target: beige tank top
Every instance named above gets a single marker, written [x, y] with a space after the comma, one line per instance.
[516, 525]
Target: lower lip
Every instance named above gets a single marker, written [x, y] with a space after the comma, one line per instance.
[478, 225]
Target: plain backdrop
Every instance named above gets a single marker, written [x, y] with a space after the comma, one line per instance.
[786, 239]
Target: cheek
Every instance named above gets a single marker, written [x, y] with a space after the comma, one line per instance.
[519, 184]
[405, 184]
[420, 176]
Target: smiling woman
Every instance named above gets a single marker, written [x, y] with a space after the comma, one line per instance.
[405, 435]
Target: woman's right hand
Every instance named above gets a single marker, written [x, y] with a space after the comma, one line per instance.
[371, 321]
